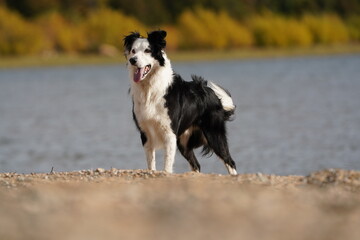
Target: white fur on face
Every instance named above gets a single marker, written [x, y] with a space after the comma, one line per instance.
[138, 51]
[144, 61]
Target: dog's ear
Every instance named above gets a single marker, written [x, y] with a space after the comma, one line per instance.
[157, 38]
[157, 43]
[129, 40]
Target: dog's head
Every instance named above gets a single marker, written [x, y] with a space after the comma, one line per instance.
[144, 55]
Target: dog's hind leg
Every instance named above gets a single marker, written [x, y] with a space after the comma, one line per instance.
[190, 139]
[190, 157]
[221, 149]
[218, 143]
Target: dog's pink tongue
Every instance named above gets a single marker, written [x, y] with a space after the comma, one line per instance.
[137, 74]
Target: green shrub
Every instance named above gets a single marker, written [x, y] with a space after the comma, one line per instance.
[17, 36]
[326, 29]
[106, 26]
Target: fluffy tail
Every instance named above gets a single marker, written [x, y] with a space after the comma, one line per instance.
[225, 98]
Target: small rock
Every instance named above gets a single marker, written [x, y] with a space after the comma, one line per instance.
[100, 170]
[6, 183]
[261, 177]
[21, 179]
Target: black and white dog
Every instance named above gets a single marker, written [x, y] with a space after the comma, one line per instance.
[170, 112]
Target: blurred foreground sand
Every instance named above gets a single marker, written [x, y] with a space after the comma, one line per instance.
[138, 204]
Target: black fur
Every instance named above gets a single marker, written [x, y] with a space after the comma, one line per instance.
[130, 39]
[142, 134]
[157, 43]
[193, 104]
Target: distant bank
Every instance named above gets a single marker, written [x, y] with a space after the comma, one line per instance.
[204, 55]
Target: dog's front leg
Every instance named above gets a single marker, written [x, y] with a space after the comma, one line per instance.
[170, 151]
[150, 157]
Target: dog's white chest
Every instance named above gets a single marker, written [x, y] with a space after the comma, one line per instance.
[153, 120]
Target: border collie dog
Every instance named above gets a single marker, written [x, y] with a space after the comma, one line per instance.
[172, 113]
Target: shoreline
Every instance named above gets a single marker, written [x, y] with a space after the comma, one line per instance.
[142, 204]
[347, 179]
[179, 56]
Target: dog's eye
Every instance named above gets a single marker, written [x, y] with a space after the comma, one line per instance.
[147, 50]
[133, 51]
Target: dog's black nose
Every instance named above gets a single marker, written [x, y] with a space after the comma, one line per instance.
[133, 60]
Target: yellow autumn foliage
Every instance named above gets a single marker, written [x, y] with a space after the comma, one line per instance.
[326, 29]
[276, 31]
[106, 26]
[199, 28]
[203, 29]
[62, 35]
[353, 23]
[172, 37]
[18, 37]
[237, 34]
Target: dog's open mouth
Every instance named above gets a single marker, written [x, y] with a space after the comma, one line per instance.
[140, 73]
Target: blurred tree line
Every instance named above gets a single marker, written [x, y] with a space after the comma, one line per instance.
[154, 12]
[93, 26]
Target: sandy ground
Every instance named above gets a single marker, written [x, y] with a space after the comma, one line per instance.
[118, 204]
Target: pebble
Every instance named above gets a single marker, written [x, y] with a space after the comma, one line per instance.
[100, 170]
[21, 178]
[261, 177]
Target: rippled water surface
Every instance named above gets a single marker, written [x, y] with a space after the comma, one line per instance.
[294, 116]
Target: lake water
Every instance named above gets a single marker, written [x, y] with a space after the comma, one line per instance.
[294, 116]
